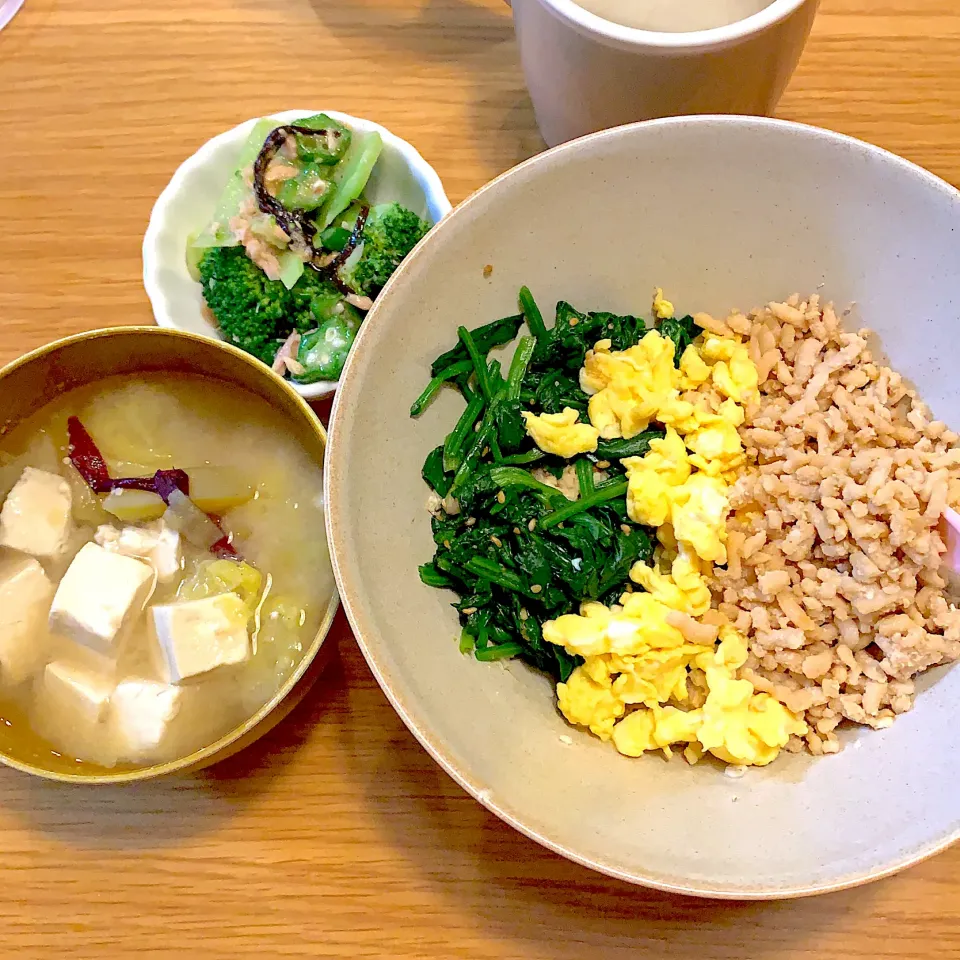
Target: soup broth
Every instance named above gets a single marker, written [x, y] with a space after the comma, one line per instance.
[674, 15]
[209, 630]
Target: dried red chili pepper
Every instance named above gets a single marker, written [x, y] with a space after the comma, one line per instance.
[223, 549]
[86, 457]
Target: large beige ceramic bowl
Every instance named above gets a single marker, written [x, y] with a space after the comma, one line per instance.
[719, 212]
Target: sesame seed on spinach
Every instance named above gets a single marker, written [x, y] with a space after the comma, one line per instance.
[518, 552]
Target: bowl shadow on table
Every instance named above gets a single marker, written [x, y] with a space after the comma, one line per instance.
[511, 885]
[166, 812]
[452, 31]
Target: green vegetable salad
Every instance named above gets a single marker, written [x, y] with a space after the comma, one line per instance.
[295, 254]
[514, 548]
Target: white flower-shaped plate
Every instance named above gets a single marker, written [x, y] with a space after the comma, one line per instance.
[188, 201]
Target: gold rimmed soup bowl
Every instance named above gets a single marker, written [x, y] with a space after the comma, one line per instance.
[40, 377]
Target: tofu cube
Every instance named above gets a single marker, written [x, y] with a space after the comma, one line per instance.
[198, 636]
[25, 594]
[76, 692]
[141, 713]
[100, 592]
[35, 517]
[166, 556]
[71, 710]
[156, 543]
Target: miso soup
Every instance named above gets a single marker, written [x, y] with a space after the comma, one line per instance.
[163, 568]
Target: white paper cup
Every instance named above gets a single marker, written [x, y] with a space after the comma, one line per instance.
[586, 73]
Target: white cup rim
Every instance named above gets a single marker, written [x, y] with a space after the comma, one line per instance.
[635, 38]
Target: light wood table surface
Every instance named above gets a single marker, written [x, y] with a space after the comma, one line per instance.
[337, 836]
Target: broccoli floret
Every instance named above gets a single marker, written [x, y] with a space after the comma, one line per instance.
[255, 313]
[390, 233]
[251, 310]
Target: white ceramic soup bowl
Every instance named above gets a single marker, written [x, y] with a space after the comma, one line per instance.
[188, 202]
[720, 212]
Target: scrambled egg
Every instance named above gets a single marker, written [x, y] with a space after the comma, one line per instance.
[699, 516]
[628, 388]
[733, 372]
[662, 308]
[683, 478]
[739, 725]
[652, 479]
[561, 434]
[653, 674]
[662, 488]
[683, 589]
[636, 658]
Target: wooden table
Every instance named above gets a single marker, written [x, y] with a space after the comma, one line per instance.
[336, 836]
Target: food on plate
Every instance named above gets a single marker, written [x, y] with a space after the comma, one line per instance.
[719, 536]
[295, 254]
[161, 555]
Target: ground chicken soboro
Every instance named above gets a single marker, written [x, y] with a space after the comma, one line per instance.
[833, 543]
